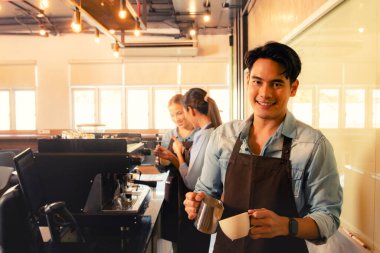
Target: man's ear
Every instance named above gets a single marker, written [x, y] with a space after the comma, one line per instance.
[294, 88]
[246, 73]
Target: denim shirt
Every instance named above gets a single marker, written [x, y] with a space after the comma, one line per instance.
[191, 173]
[315, 179]
[166, 138]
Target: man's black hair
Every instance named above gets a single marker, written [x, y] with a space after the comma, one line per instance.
[280, 53]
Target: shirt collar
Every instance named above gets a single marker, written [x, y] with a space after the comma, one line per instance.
[188, 138]
[206, 126]
[176, 135]
[287, 127]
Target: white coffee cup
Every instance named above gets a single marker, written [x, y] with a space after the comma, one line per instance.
[236, 227]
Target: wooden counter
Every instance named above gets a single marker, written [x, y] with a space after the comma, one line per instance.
[20, 140]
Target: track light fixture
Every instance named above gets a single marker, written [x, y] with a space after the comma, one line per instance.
[123, 9]
[226, 4]
[97, 35]
[43, 31]
[76, 24]
[115, 49]
[192, 31]
[137, 31]
[207, 16]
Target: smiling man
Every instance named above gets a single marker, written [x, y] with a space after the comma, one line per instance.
[280, 170]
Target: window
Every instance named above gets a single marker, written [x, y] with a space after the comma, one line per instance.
[222, 99]
[162, 118]
[84, 107]
[328, 108]
[25, 110]
[5, 116]
[132, 99]
[138, 108]
[302, 105]
[355, 108]
[110, 108]
[376, 109]
[17, 110]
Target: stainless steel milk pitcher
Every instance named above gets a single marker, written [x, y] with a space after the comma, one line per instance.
[209, 213]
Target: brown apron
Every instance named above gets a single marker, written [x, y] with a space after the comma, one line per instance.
[254, 182]
[170, 207]
[190, 240]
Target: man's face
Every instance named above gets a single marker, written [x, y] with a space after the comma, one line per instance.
[269, 90]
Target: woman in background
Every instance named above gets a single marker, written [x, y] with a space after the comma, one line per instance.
[184, 133]
[203, 113]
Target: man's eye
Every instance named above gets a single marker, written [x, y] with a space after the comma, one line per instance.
[255, 82]
[277, 85]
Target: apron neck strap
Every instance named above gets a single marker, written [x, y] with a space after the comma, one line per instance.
[286, 147]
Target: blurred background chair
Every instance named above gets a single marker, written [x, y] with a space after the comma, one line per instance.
[8, 175]
[18, 230]
[6, 158]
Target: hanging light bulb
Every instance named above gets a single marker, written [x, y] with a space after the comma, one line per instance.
[207, 16]
[97, 35]
[42, 31]
[115, 49]
[192, 32]
[44, 4]
[76, 25]
[137, 31]
[123, 9]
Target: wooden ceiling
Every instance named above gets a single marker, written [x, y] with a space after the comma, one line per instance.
[26, 18]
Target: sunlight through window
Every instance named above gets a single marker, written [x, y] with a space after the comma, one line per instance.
[110, 108]
[329, 108]
[25, 106]
[354, 108]
[5, 121]
[84, 107]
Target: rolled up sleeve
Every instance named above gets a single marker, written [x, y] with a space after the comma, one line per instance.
[323, 190]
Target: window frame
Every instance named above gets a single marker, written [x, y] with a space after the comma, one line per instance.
[12, 107]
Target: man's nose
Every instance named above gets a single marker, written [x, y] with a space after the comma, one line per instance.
[265, 90]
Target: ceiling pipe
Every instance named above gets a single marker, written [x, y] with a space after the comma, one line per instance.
[46, 18]
[38, 19]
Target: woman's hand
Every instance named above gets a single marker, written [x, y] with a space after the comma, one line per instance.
[163, 153]
[166, 156]
[178, 147]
